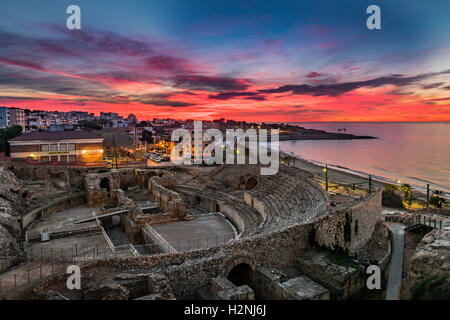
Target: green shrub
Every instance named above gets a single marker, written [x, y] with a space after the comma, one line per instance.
[433, 288]
[392, 187]
[392, 199]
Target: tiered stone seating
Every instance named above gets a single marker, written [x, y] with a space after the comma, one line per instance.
[287, 197]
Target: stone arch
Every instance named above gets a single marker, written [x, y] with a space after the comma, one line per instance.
[241, 270]
[241, 274]
[250, 182]
[105, 184]
[246, 182]
[236, 260]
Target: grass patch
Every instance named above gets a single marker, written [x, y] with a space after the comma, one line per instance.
[339, 258]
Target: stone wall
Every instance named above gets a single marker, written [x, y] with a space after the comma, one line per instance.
[342, 281]
[127, 178]
[257, 204]
[350, 229]
[73, 177]
[55, 205]
[143, 175]
[193, 269]
[365, 216]
[99, 185]
[169, 200]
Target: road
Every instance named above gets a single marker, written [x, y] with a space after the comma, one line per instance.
[396, 266]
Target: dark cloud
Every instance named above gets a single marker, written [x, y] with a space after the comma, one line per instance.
[307, 112]
[160, 101]
[334, 89]
[105, 42]
[167, 63]
[432, 85]
[341, 88]
[313, 74]
[18, 98]
[19, 63]
[96, 59]
[257, 98]
[231, 95]
[209, 83]
[53, 83]
[446, 88]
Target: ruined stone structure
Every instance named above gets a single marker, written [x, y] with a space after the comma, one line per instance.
[351, 228]
[270, 221]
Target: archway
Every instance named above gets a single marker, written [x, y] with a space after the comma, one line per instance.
[104, 183]
[241, 270]
[241, 274]
[250, 183]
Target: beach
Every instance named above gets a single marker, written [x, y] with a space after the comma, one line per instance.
[334, 175]
[340, 177]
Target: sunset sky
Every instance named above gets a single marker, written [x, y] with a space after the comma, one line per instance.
[248, 60]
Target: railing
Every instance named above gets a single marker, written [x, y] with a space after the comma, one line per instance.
[156, 237]
[19, 279]
[127, 247]
[64, 164]
[9, 262]
[428, 221]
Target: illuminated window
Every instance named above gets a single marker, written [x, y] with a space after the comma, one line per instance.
[63, 147]
[71, 147]
[45, 159]
[54, 147]
[44, 147]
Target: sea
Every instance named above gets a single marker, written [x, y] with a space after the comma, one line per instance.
[417, 153]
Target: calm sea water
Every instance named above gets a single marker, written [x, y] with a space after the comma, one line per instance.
[414, 153]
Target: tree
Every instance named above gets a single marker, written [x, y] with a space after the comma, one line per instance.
[90, 124]
[392, 187]
[390, 198]
[436, 200]
[6, 134]
[114, 141]
[407, 193]
[147, 136]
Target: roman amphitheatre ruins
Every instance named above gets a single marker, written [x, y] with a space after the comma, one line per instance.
[194, 232]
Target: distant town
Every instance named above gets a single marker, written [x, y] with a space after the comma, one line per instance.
[79, 137]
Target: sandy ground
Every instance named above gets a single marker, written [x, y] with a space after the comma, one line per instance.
[341, 177]
[335, 175]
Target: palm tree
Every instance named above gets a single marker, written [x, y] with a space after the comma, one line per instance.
[407, 193]
[436, 199]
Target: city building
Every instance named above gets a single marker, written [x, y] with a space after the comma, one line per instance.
[131, 118]
[59, 146]
[4, 117]
[17, 117]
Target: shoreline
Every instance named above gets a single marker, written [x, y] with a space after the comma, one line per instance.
[342, 175]
[328, 136]
[335, 175]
